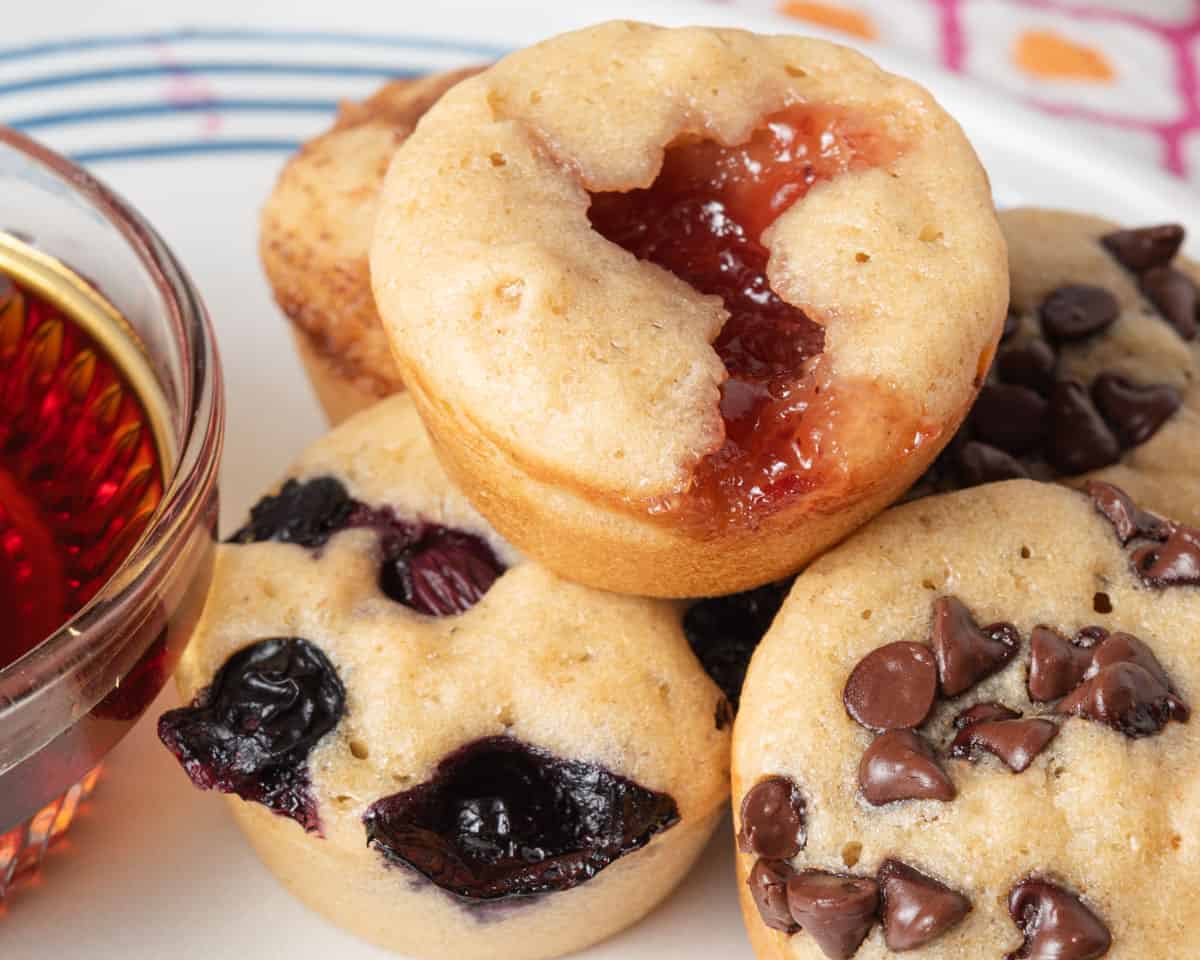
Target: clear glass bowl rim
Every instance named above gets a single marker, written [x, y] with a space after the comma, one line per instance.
[83, 638]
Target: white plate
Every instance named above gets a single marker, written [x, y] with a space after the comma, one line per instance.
[189, 109]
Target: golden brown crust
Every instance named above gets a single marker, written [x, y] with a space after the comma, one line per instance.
[315, 232]
[569, 385]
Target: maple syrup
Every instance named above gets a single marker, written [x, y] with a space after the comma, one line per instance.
[83, 445]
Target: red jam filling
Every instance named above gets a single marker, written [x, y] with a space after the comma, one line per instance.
[703, 219]
[79, 469]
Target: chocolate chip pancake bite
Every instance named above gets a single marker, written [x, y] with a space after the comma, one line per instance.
[968, 734]
[441, 747]
[314, 235]
[1098, 372]
[681, 308]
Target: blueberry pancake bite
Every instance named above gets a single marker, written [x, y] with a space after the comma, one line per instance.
[439, 746]
[314, 234]
[968, 735]
[1098, 371]
[683, 307]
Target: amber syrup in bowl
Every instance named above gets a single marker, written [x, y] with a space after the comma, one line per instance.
[110, 437]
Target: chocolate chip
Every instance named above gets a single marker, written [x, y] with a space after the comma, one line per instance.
[1031, 365]
[1012, 323]
[1126, 648]
[1175, 563]
[1016, 743]
[1174, 295]
[982, 712]
[1079, 440]
[901, 765]
[1088, 637]
[1127, 518]
[768, 887]
[979, 463]
[1134, 412]
[773, 820]
[965, 653]
[1077, 311]
[837, 911]
[1055, 924]
[1128, 698]
[1010, 417]
[916, 908]
[1056, 667]
[1139, 250]
[892, 687]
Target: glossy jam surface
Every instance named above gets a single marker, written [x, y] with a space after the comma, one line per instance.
[79, 469]
[703, 219]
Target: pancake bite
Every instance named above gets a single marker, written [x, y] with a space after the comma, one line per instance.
[314, 235]
[1098, 372]
[443, 748]
[968, 734]
[681, 308]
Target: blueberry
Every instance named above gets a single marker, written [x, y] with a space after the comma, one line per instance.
[251, 732]
[306, 513]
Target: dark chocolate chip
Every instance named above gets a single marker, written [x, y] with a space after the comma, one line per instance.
[1055, 924]
[1010, 417]
[773, 820]
[837, 911]
[1175, 563]
[1079, 439]
[1088, 637]
[1128, 698]
[979, 463]
[966, 653]
[982, 712]
[1127, 518]
[1139, 250]
[1134, 412]
[1174, 295]
[892, 687]
[1012, 322]
[916, 908]
[1077, 311]
[901, 765]
[1016, 743]
[1057, 665]
[768, 887]
[1031, 365]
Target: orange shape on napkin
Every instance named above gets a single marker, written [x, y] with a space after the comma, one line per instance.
[1051, 56]
[830, 15]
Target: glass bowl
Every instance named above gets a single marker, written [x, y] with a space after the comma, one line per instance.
[66, 702]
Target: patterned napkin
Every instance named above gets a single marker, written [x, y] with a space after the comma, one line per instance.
[1124, 71]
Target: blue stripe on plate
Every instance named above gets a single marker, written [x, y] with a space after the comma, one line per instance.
[196, 68]
[235, 35]
[39, 121]
[185, 148]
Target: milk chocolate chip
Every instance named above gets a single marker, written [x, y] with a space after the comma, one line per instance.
[893, 687]
[1127, 518]
[768, 886]
[773, 820]
[1057, 665]
[1174, 295]
[1055, 924]
[966, 653]
[1016, 743]
[837, 911]
[1146, 247]
[1134, 412]
[1079, 440]
[982, 712]
[1175, 563]
[1076, 311]
[916, 909]
[901, 765]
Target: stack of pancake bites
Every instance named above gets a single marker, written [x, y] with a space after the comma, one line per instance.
[632, 340]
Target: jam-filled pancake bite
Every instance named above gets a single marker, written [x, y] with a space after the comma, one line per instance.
[683, 307]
